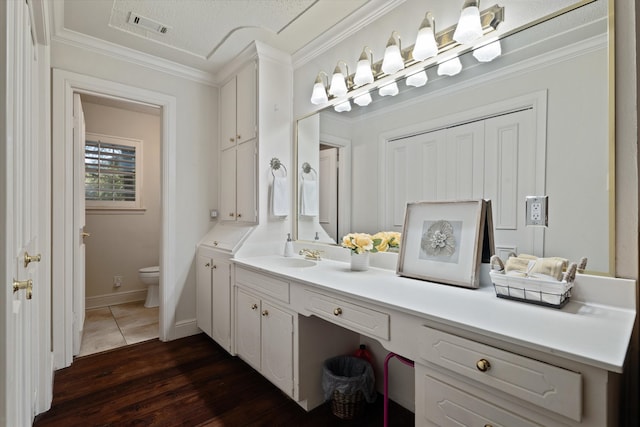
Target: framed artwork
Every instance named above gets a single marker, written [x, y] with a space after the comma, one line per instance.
[446, 241]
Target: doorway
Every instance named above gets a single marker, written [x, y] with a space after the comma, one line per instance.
[121, 186]
[64, 85]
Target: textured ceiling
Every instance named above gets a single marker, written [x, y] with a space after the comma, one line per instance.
[206, 34]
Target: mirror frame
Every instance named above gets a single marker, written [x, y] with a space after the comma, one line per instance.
[611, 120]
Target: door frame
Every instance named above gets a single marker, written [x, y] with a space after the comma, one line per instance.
[64, 85]
[344, 179]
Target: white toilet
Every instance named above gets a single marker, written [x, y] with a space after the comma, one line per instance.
[150, 276]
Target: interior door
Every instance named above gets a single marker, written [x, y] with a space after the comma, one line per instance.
[328, 191]
[79, 223]
[21, 350]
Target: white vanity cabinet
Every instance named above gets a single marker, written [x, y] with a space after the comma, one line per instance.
[213, 296]
[238, 106]
[264, 338]
[238, 194]
[460, 381]
[239, 146]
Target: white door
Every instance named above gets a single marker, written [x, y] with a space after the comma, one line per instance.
[79, 223]
[328, 192]
[24, 343]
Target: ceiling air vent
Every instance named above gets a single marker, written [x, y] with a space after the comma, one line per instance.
[147, 24]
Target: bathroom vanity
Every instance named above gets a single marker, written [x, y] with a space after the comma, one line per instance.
[479, 359]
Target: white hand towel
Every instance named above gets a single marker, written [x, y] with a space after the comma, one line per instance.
[280, 196]
[309, 198]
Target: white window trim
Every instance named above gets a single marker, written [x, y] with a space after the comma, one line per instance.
[109, 205]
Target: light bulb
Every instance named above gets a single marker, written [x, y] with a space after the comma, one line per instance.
[418, 79]
[469, 27]
[426, 45]
[389, 90]
[450, 67]
[343, 106]
[488, 52]
[363, 100]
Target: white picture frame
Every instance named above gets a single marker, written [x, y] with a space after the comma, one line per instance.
[444, 241]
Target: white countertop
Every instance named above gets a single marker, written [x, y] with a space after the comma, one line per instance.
[590, 332]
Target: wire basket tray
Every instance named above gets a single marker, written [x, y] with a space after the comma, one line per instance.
[531, 289]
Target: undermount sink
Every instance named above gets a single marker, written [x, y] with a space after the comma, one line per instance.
[293, 262]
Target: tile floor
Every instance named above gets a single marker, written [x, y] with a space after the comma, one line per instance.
[118, 325]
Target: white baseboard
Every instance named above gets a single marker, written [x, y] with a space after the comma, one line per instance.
[186, 328]
[115, 299]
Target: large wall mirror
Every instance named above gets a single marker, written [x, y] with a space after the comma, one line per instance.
[535, 121]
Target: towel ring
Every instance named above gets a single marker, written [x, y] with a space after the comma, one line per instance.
[306, 169]
[276, 165]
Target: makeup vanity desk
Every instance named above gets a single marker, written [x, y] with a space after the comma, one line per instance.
[479, 359]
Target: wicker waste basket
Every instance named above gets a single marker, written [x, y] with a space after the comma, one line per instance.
[349, 382]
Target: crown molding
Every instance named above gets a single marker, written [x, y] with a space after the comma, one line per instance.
[343, 30]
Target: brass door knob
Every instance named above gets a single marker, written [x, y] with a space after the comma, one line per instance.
[31, 258]
[337, 311]
[483, 365]
[23, 284]
[85, 234]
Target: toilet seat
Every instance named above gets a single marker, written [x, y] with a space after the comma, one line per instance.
[150, 270]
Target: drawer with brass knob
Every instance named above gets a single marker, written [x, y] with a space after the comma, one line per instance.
[551, 387]
[351, 316]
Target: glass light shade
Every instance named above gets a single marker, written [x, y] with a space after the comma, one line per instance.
[488, 52]
[469, 27]
[364, 75]
[389, 90]
[417, 79]
[343, 106]
[392, 61]
[450, 67]
[426, 45]
[338, 85]
[319, 94]
[363, 100]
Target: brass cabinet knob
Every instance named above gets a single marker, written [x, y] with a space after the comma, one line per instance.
[239, 136]
[207, 265]
[31, 258]
[337, 311]
[254, 306]
[23, 284]
[265, 313]
[231, 214]
[483, 365]
[239, 215]
[232, 140]
[214, 266]
[215, 243]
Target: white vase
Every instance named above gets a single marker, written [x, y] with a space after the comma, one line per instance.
[360, 262]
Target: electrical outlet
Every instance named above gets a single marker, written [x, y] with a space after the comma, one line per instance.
[537, 210]
[117, 281]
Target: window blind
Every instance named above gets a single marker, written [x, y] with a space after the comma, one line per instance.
[110, 171]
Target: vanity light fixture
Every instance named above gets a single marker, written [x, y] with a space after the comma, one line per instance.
[364, 73]
[469, 26]
[488, 52]
[409, 63]
[450, 67]
[339, 80]
[393, 61]
[363, 100]
[319, 94]
[418, 79]
[426, 45]
[343, 106]
[389, 90]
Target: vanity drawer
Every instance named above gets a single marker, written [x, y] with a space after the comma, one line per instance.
[550, 387]
[263, 283]
[351, 316]
[447, 406]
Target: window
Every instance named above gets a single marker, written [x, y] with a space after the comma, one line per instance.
[113, 172]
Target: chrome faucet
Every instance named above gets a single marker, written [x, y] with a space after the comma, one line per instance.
[309, 254]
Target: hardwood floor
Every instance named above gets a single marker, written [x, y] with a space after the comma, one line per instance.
[186, 382]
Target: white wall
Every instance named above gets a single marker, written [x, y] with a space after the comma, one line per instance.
[196, 156]
[123, 242]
